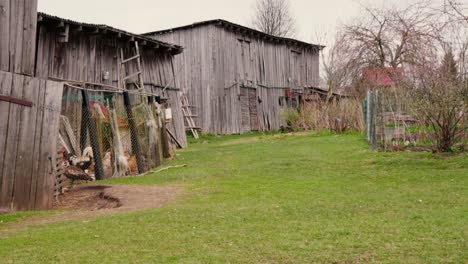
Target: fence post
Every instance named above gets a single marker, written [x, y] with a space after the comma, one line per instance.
[372, 120]
[99, 171]
[134, 133]
[368, 115]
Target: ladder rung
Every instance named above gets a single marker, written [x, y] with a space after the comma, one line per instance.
[130, 59]
[132, 75]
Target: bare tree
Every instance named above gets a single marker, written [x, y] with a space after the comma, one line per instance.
[417, 38]
[274, 17]
[457, 9]
[341, 68]
[391, 37]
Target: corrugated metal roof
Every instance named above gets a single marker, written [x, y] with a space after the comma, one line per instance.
[174, 49]
[225, 23]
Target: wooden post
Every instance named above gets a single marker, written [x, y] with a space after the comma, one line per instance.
[134, 133]
[157, 153]
[84, 130]
[93, 136]
[165, 140]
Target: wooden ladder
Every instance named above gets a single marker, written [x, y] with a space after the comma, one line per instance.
[188, 115]
[123, 61]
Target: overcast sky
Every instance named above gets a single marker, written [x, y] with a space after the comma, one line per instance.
[141, 16]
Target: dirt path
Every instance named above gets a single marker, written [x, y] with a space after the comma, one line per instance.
[90, 201]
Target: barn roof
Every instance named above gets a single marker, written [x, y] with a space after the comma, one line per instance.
[324, 91]
[230, 25]
[173, 49]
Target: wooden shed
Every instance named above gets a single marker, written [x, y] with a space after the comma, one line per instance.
[237, 78]
[87, 53]
[40, 55]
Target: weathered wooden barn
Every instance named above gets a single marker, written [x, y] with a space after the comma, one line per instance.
[86, 53]
[45, 58]
[239, 79]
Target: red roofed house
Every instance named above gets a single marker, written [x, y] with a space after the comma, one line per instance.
[378, 77]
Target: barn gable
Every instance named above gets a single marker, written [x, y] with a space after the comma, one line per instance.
[237, 77]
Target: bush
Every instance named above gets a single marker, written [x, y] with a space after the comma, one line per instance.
[338, 116]
[292, 118]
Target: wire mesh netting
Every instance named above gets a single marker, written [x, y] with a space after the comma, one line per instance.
[393, 121]
[389, 119]
[106, 135]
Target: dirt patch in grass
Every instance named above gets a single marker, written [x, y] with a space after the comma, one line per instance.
[90, 198]
[89, 201]
[110, 198]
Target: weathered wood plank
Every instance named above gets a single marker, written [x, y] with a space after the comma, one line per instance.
[37, 143]
[16, 35]
[11, 147]
[29, 37]
[24, 157]
[5, 89]
[48, 146]
[4, 35]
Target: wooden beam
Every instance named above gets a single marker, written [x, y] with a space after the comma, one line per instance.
[133, 133]
[12, 100]
[99, 170]
[179, 145]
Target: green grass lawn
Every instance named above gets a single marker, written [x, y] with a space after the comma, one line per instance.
[303, 199]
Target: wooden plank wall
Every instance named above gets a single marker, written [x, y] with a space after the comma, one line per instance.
[28, 138]
[18, 21]
[217, 62]
[85, 57]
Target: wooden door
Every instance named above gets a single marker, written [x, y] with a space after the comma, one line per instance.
[29, 113]
[244, 62]
[249, 110]
[253, 110]
[295, 69]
